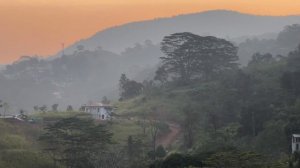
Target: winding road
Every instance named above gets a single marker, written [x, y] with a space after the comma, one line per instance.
[171, 137]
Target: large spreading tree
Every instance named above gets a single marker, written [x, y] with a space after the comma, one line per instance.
[189, 56]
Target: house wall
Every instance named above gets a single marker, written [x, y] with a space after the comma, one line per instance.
[295, 144]
[98, 112]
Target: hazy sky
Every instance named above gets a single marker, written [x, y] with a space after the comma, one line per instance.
[29, 27]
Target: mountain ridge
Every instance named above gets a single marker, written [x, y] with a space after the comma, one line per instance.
[223, 25]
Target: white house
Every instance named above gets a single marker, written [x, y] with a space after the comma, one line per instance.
[98, 110]
[295, 143]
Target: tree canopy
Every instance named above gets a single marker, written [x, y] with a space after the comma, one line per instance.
[73, 141]
[189, 56]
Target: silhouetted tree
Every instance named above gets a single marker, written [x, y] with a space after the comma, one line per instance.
[36, 108]
[258, 58]
[129, 88]
[54, 107]
[135, 148]
[191, 56]
[290, 80]
[161, 75]
[105, 100]
[5, 108]
[290, 36]
[190, 124]
[1, 104]
[160, 152]
[43, 108]
[70, 108]
[122, 82]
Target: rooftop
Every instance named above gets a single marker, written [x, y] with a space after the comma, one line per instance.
[95, 104]
[296, 135]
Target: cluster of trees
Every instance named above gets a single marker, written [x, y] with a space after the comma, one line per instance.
[249, 96]
[255, 107]
[129, 88]
[5, 108]
[61, 79]
[75, 142]
[79, 142]
[286, 41]
[223, 158]
[188, 57]
[54, 108]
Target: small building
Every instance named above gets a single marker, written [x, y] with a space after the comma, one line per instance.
[295, 143]
[98, 110]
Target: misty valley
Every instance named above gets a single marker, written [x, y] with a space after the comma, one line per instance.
[216, 89]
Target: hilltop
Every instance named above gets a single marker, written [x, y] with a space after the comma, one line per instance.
[220, 23]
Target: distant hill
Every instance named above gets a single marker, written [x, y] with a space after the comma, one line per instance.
[220, 23]
[287, 40]
[92, 67]
[2, 67]
[73, 79]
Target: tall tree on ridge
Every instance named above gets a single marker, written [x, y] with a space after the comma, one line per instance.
[190, 56]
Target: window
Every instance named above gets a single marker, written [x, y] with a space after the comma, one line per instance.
[297, 147]
[103, 116]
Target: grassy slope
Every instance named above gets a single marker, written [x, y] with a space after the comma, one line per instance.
[169, 103]
[120, 128]
[19, 148]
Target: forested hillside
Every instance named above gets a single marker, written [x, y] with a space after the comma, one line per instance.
[230, 116]
[199, 108]
[220, 23]
[75, 79]
[93, 74]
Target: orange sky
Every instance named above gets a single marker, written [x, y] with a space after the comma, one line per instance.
[29, 27]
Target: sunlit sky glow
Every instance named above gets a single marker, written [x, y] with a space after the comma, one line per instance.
[29, 27]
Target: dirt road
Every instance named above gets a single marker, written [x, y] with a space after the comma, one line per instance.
[171, 137]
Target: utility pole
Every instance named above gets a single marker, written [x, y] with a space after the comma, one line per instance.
[1, 105]
[63, 48]
[5, 108]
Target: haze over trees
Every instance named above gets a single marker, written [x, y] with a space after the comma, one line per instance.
[129, 88]
[220, 23]
[184, 100]
[90, 74]
[227, 117]
[59, 79]
[286, 41]
[230, 116]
